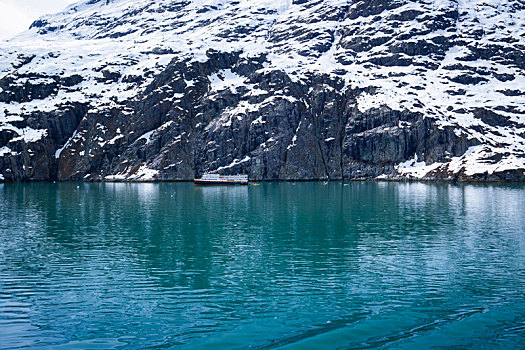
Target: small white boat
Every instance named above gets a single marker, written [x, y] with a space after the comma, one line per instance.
[217, 179]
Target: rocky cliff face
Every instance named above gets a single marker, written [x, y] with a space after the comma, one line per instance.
[302, 89]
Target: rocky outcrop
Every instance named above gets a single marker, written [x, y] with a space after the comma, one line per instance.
[306, 90]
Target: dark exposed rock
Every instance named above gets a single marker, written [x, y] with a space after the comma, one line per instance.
[493, 119]
[509, 92]
[25, 88]
[39, 23]
[71, 80]
[504, 77]
[468, 79]
[23, 60]
[108, 76]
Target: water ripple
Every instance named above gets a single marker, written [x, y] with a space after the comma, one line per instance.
[300, 265]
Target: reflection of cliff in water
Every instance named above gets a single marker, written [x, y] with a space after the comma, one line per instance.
[199, 232]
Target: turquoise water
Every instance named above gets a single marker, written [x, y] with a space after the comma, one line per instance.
[280, 265]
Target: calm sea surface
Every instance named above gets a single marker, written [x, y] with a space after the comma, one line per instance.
[280, 265]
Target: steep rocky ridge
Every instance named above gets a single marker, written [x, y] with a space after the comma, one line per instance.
[321, 89]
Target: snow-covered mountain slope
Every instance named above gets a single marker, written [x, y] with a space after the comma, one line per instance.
[302, 89]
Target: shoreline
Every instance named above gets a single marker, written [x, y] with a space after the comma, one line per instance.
[441, 181]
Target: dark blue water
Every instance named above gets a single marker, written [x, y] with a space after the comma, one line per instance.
[291, 265]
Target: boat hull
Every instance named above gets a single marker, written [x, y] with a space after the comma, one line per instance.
[211, 182]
